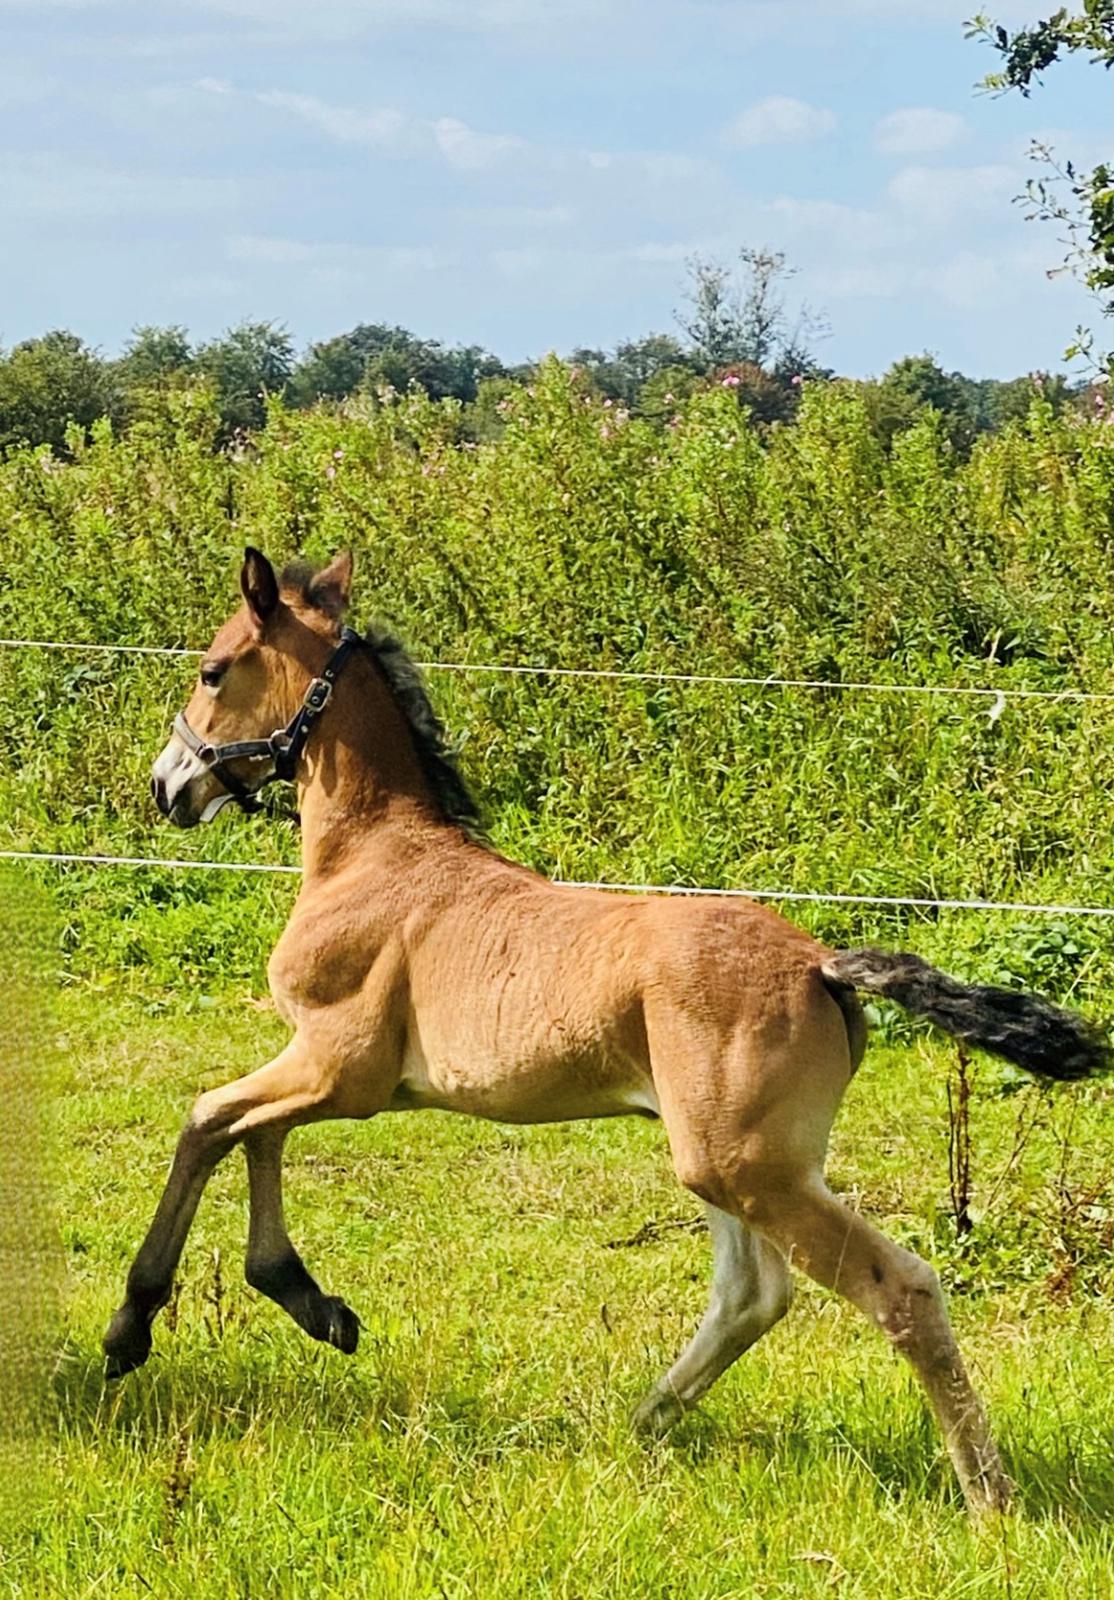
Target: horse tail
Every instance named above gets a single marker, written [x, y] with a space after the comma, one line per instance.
[1031, 1032]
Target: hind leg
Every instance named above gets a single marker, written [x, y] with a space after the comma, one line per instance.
[751, 1290]
[899, 1293]
[273, 1266]
[748, 1125]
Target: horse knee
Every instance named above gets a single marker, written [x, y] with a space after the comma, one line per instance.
[206, 1136]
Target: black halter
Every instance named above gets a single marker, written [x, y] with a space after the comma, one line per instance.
[284, 747]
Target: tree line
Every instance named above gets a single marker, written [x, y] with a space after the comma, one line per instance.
[736, 328]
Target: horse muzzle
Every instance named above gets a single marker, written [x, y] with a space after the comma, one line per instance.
[184, 790]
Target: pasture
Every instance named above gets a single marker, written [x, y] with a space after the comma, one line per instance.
[520, 1288]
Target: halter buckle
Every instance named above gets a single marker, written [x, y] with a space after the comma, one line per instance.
[318, 695]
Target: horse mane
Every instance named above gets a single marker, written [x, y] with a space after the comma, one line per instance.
[437, 758]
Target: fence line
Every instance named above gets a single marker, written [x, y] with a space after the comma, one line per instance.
[923, 903]
[998, 696]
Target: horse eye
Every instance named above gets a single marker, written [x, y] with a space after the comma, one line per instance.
[211, 676]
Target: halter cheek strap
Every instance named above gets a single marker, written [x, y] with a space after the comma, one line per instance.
[283, 748]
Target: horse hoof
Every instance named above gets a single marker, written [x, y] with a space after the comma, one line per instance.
[342, 1326]
[127, 1344]
[658, 1413]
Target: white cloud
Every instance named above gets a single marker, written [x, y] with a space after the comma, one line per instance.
[918, 131]
[378, 129]
[968, 280]
[468, 150]
[461, 146]
[942, 196]
[205, 286]
[521, 263]
[667, 253]
[778, 119]
[864, 282]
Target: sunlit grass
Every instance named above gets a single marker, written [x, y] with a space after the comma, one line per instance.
[478, 1443]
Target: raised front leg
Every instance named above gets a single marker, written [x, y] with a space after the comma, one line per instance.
[273, 1266]
[280, 1094]
[751, 1290]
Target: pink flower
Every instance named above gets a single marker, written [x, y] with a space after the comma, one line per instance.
[338, 455]
[731, 381]
[796, 380]
[330, 471]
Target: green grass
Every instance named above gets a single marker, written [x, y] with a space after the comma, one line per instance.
[478, 1444]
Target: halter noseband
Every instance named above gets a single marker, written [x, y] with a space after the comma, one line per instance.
[284, 747]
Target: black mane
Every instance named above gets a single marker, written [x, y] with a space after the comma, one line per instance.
[436, 756]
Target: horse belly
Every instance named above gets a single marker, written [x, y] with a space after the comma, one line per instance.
[554, 1089]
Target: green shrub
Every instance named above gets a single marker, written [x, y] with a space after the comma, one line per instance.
[584, 537]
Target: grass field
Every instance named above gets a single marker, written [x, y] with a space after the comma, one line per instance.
[519, 1289]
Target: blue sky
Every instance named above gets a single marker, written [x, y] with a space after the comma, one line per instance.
[528, 174]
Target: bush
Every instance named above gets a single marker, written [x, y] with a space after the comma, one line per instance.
[583, 536]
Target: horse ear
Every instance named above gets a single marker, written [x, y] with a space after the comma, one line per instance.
[259, 584]
[330, 588]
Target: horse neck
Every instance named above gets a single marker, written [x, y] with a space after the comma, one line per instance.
[362, 788]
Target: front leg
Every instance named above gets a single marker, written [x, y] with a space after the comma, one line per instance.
[273, 1266]
[282, 1093]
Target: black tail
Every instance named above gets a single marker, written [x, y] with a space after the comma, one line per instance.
[1030, 1032]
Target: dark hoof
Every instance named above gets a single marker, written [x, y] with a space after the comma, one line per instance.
[331, 1321]
[659, 1412]
[322, 1316]
[127, 1344]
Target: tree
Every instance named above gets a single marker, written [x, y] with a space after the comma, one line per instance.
[623, 373]
[969, 406]
[768, 396]
[154, 357]
[250, 362]
[731, 321]
[1081, 202]
[714, 319]
[48, 383]
[373, 354]
[914, 384]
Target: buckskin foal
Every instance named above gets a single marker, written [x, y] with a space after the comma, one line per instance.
[420, 968]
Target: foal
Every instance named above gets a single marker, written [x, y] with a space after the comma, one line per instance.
[420, 968]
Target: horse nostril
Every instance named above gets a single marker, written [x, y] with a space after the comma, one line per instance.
[158, 794]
